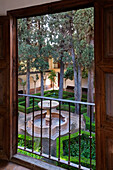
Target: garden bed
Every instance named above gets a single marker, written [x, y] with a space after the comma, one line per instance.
[53, 94]
[74, 149]
[21, 142]
[87, 122]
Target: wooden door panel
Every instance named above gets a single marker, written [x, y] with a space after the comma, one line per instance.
[4, 89]
[108, 33]
[3, 82]
[104, 85]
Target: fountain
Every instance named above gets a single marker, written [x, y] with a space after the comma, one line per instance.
[46, 121]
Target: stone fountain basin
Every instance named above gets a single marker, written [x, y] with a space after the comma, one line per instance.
[46, 104]
[45, 128]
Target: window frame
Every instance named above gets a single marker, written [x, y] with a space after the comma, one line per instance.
[49, 8]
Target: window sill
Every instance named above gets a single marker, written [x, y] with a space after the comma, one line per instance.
[33, 163]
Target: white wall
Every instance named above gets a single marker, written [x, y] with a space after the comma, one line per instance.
[6, 5]
[38, 82]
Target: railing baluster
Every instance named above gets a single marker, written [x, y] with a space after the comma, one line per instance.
[50, 132]
[59, 128]
[68, 162]
[90, 136]
[33, 128]
[69, 133]
[41, 127]
[79, 136]
[25, 126]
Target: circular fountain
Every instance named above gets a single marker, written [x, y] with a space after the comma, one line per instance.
[46, 106]
[46, 121]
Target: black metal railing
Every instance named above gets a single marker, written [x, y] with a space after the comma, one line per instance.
[49, 156]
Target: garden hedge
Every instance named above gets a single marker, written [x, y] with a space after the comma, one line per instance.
[65, 107]
[84, 161]
[53, 94]
[87, 122]
[29, 109]
[28, 145]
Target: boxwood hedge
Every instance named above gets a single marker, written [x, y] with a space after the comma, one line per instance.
[65, 107]
[87, 122]
[84, 161]
[54, 94]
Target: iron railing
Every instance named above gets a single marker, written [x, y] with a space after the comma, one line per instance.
[49, 156]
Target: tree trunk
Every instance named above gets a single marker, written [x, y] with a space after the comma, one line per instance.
[90, 97]
[42, 84]
[75, 77]
[61, 79]
[79, 89]
[53, 85]
[65, 84]
[35, 86]
[28, 83]
[24, 89]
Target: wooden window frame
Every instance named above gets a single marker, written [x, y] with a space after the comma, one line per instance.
[50, 8]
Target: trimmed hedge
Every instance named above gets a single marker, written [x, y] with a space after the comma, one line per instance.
[83, 99]
[53, 94]
[29, 109]
[21, 99]
[87, 122]
[30, 101]
[65, 107]
[21, 142]
[84, 161]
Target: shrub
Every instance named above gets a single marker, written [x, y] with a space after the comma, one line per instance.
[83, 99]
[22, 103]
[65, 96]
[20, 99]
[21, 108]
[37, 94]
[84, 96]
[87, 122]
[65, 107]
[53, 94]
[71, 98]
[28, 145]
[75, 159]
[28, 141]
[83, 109]
[29, 109]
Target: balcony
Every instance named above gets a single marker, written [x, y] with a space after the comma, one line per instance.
[52, 129]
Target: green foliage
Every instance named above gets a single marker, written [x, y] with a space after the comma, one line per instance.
[69, 73]
[84, 73]
[37, 77]
[88, 56]
[85, 147]
[32, 33]
[65, 107]
[52, 76]
[58, 37]
[53, 94]
[21, 143]
[29, 154]
[20, 99]
[87, 122]
[75, 159]
[29, 109]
